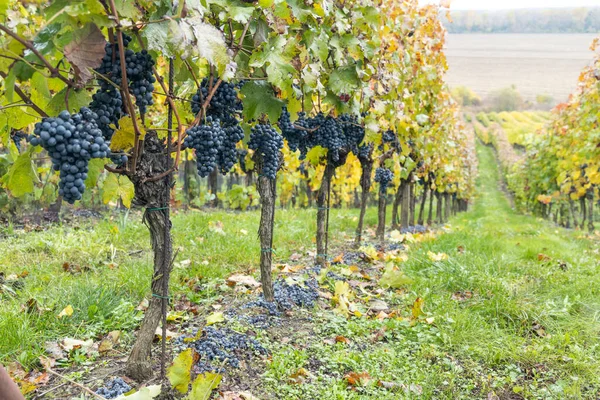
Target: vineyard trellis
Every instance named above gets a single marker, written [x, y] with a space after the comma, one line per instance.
[332, 78]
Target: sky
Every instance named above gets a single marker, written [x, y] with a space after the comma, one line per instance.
[511, 4]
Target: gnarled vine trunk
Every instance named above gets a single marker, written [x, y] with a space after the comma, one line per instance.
[267, 190]
[365, 185]
[439, 219]
[420, 220]
[448, 206]
[396, 204]
[381, 207]
[154, 196]
[583, 212]
[430, 212]
[322, 212]
[405, 210]
[413, 202]
[590, 199]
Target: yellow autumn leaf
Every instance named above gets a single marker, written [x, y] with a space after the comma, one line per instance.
[66, 312]
[437, 256]
[179, 373]
[124, 136]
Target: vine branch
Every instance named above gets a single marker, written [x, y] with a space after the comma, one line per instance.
[54, 71]
[26, 98]
[125, 85]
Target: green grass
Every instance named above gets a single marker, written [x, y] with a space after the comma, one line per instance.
[484, 345]
[116, 259]
[531, 328]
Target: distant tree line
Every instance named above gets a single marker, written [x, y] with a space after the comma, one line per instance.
[547, 20]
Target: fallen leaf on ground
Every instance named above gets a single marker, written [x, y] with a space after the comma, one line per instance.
[237, 396]
[338, 260]
[299, 376]
[203, 386]
[109, 341]
[245, 280]
[180, 372]
[378, 305]
[543, 257]
[342, 339]
[158, 333]
[66, 312]
[417, 308]
[145, 393]
[462, 296]
[69, 344]
[54, 350]
[215, 318]
[357, 379]
[437, 256]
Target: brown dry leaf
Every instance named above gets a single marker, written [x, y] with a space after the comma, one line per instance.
[460, 249]
[244, 280]
[109, 342]
[143, 306]
[325, 295]
[462, 295]
[237, 396]
[382, 315]
[299, 376]
[85, 52]
[342, 339]
[32, 305]
[543, 257]
[295, 257]
[357, 379]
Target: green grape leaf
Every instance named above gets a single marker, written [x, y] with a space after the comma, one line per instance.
[9, 85]
[10, 47]
[343, 80]
[95, 169]
[259, 99]
[157, 37]
[118, 187]
[179, 373]
[236, 13]
[21, 176]
[77, 99]
[127, 9]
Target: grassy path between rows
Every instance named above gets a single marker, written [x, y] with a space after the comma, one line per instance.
[513, 312]
[516, 311]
